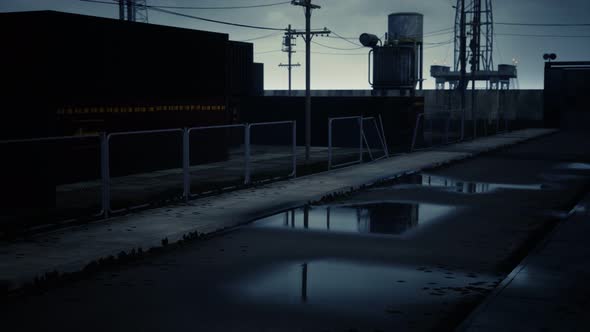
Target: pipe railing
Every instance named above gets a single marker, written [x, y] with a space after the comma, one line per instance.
[331, 164]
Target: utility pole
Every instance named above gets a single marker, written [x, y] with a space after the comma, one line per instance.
[463, 62]
[475, 51]
[133, 10]
[308, 6]
[288, 43]
[121, 10]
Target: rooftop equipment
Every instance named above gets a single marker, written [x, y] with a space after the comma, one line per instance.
[397, 61]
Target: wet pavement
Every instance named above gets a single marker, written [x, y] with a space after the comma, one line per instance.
[547, 291]
[395, 257]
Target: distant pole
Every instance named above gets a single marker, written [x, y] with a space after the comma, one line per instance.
[288, 48]
[463, 61]
[130, 10]
[475, 49]
[121, 9]
[308, 35]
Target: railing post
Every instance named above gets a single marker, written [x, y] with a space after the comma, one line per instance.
[247, 153]
[105, 174]
[186, 157]
[294, 137]
[463, 124]
[447, 127]
[384, 138]
[329, 144]
[361, 140]
[414, 137]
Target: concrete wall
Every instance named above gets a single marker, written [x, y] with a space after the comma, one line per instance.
[524, 105]
[521, 105]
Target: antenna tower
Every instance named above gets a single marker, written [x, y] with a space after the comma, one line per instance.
[133, 10]
[479, 27]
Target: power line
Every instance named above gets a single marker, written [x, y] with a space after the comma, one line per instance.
[266, 52]
[328, 53]
[261, 37]
[213, 21]
[546, 24]
[542, 36]
[345, 39]
[337, 48]
[225, 7]
[200, 8]
[166, 11]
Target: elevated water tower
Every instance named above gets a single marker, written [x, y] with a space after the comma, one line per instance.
[396, 62]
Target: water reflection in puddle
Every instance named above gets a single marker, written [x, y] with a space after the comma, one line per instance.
[473, 187]
[377, 218]
[335, 284]
[427, 180]
[575, 166]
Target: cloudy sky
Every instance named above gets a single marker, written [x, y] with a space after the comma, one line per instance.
[342, 65]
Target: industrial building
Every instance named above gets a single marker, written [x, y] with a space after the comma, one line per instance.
[67, 74]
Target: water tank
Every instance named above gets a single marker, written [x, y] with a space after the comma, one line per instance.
[406, 27]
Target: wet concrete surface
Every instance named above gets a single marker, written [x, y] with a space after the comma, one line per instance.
[281, 278]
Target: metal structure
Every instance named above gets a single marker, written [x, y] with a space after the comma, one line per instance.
[331, 121]
[307, 36]
[474, 45]
[398, 60]
[479, 24]
[288, 42]
[133, 10]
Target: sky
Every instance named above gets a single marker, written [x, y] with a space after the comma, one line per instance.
[342, 65]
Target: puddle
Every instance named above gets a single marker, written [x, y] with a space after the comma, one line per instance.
[427, 180]
[375, 218]
[575, 166]
[340, 285]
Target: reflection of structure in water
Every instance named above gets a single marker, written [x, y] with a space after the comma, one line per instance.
[377, 218]
[473, 187]
[387, 219]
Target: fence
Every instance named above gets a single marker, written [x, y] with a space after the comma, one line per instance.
[437, 129]
[142, 167]
[374, 138]
[110, 173]
[465, 129]
[99, 175]
[345, 145]
[207, 170]
[272, 151]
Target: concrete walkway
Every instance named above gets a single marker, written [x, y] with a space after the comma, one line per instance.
[70, 249]
[549, 290]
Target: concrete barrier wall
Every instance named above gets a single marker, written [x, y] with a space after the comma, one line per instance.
[521, 105]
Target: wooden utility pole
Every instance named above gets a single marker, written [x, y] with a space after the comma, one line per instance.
[308, 6]
[475, 51]
[288, 48]
[463, 62]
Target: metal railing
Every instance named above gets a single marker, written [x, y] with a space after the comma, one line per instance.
[447, 126]
[186, 163]
[293, 124]
[331, 121]
[106, 165]
[104, 155]
[380, 135]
